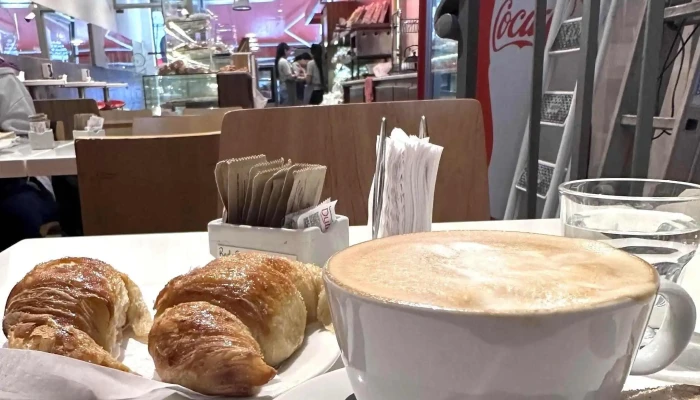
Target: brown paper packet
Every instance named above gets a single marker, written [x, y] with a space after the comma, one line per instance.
[306, 188]
[277, 217]
[271, 193]
[257, 194]
[251, 174]
[238, 176]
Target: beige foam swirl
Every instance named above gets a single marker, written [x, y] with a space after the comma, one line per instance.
[502, 272]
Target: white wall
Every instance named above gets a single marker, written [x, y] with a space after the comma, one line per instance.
[98, 12]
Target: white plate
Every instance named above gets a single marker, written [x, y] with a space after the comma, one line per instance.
[336, 386]
[317, 355]
[331, 386]
[7, 143]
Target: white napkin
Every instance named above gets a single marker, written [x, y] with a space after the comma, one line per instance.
[409, 184]
[26, 375]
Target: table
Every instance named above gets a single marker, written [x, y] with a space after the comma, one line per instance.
[21, 161]
[105, 90]
[54, 162]
[32, 84]
[81, 86]
[192, 249]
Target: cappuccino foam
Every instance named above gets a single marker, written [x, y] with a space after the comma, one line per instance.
[485, 271]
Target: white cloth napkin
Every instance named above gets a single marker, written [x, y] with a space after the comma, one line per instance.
[409, 184]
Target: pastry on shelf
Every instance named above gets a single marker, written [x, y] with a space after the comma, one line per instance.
[75, 307]
[206, 348]
[201, 315]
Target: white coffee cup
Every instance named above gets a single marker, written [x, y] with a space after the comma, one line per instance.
[395, 351]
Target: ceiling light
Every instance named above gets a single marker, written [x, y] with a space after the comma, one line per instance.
[241, 5]
[76, 42]
[279, 10]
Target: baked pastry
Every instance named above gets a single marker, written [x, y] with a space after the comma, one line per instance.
[207, 349]
[254, 291]
[305, 277]
[75, 307]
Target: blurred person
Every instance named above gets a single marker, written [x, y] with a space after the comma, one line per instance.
[27, 206]
[285, 76]
[299, 70]
[314, 75]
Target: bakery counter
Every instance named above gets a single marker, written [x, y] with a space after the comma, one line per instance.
[386, 88]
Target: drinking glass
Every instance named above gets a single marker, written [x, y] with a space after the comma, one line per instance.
[656, 220]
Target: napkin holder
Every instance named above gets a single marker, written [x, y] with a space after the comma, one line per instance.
[41, 141]
[88, 134]
[308, 245]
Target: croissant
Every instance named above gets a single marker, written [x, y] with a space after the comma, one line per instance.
[75, 307]
[262, 298]
[207, 349]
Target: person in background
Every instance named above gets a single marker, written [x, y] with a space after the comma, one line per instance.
[285, 76]
[314, 75]
[299, 70]
[27, 206]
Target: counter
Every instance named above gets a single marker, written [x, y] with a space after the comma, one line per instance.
[396, 87]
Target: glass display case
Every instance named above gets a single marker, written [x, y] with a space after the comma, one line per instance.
[266, 85]
[442, 73]
[192, 91]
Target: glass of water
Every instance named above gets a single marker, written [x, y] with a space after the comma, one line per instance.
[656, 220]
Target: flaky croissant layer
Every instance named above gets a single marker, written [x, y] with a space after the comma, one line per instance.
[75, 307]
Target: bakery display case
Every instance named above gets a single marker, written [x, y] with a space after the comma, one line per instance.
[195, 90]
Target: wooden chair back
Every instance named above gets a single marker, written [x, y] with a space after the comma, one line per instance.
[177, 125]
[120, 123]
[343, 138]
[63, 111]
[210, 111]
[147, 184]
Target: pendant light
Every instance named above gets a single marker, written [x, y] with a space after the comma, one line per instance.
[241, 5]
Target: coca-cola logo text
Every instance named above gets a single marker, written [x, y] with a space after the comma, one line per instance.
[514, 28]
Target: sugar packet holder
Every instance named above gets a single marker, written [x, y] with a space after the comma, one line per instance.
[40, 135]
[309, 245]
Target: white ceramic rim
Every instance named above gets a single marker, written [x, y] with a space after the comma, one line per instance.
[565, 190]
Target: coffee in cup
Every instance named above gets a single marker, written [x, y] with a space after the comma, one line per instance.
[486, 315]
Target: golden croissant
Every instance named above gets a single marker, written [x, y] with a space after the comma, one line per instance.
[75, 307]
[270, 296]
[207, 349]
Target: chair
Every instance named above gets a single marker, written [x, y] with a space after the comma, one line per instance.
[120, 123]
[147, 184]
[178, 125]
[63, 111]
[209, 111]
[343, 138]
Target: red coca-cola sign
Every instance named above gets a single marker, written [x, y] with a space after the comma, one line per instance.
[514, 27]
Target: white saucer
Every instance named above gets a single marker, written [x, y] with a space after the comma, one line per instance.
[336, 386]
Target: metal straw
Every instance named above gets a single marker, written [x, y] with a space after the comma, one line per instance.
[423, 128]
[378, 189]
